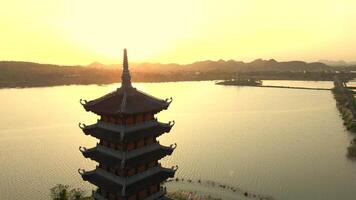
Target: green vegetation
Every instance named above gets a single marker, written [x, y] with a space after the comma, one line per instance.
[184, 195]
[346, 104]
[64, 192]
[352, 148]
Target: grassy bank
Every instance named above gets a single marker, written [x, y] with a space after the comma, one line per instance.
[346, 104]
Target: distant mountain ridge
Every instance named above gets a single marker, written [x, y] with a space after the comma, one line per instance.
[222, 65]
[29, 74]
[338, 63]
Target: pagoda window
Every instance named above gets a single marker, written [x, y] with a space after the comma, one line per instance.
[142, 194]
[106, 168]
[104, 118]
[129, 120]
[131, 172]
[120, 172]
[120, 198]
[112, 196]
[152, 164]
[112, 120]
[141, 168]
[112, 145]
[119, 146]
[105, 143]
[153, 188]
[140, 143]
[130, 146]
[133, 197]
[139, 118]
[119, 121]
[104, 193]
[148, 116]
[149, 140]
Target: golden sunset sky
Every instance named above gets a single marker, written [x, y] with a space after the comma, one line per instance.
[180, 31]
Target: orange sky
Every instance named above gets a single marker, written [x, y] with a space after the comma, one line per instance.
[184, 31]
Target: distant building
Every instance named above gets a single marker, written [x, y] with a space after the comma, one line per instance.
[128, 150]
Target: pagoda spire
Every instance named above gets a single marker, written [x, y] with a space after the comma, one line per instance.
[125, 77]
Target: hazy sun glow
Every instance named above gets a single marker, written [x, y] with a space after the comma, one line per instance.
[82, 31]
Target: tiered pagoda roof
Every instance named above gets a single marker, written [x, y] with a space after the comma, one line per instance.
[128, 185]
[126, 100]
[117, 132]
[127, 159]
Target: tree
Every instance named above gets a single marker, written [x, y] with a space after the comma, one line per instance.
[77, 194]
[60, 192]
[63, 192]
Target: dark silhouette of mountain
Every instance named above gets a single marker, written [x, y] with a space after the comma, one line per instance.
[238, 66]
[28, 74]
[338, 63]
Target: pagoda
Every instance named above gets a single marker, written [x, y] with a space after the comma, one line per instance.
[128, 151]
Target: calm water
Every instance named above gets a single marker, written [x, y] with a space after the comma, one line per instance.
[286, 143]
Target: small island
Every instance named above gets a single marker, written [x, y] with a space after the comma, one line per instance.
[241, 82]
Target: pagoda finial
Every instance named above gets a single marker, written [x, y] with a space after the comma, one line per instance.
[125, 77]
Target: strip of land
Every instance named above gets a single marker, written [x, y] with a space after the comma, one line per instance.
[286, 87]
[346, 104]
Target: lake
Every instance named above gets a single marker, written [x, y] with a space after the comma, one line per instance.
[286, 143]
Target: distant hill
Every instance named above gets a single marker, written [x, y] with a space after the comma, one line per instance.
[259, 65]
[222, 65]
[339, 63]
[28, 74]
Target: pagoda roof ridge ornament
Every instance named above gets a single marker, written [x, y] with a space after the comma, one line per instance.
[171, 123]
[82, 149]
[169, 100]
[81, 171]
[173, 146]
[83, 101]
[82, 126]
[174, 168]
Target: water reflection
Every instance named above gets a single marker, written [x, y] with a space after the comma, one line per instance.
[290, 144]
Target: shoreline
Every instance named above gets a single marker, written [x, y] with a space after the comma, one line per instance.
[346, 104]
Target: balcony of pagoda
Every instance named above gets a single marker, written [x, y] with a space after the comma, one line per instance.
[127, 159]
[127, 186]
[126, 133]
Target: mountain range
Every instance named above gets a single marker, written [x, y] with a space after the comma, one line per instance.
[222, 65]
[29, 74]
